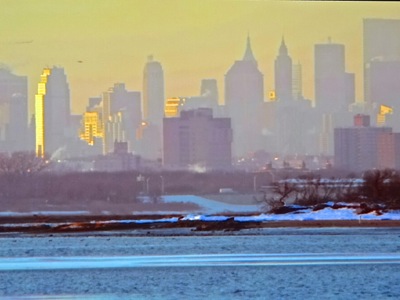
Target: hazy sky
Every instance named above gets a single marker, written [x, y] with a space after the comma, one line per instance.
[192, 39]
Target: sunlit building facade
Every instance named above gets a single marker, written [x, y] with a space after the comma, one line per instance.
[52, 112]
[92, 128]
[173, 107]
[40, 138]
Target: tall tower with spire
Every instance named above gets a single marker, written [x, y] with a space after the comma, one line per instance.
[248, 54]
[283, 74]
[244, 97]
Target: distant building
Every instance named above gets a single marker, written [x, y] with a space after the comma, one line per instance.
[119, 160]
[121, 114]
[197, 140]
[52, 112]
[334, 88]
[173, 107]
[334, 93]
[13, 112]
[381, 46]
[153, 92]
[283, 74]
[383, 85]
[297, 82]
[209, 90]
[362, 147]
[92, 127]
[113, 117]
[244, 99]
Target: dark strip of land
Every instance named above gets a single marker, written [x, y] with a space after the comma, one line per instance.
[62, 224]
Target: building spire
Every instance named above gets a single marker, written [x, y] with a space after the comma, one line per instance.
[248, 55]
[283, 49]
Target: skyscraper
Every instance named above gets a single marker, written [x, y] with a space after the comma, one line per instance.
[13, 111]
[244, 97]
[330, 78]
[153, 92]
[334, 92]
[121, 116]
[209, 90]
[283, 74]
[52, 111]
[381, 39]
[381, 42]
[297, 82]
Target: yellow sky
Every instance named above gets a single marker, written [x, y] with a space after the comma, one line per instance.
[192, 39]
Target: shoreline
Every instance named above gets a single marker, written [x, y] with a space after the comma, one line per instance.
[149, 224]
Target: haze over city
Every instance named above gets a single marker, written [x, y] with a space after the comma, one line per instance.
[102, 42]
[207, 85]
[172, 149]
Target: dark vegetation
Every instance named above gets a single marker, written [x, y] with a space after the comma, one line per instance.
[26, 181]
[375, 189]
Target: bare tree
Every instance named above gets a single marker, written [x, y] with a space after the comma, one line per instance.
[22, 163]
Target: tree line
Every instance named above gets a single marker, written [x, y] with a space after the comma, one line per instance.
[373, 188]
[23, 176]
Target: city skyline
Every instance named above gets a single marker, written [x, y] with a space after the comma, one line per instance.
[102, 42]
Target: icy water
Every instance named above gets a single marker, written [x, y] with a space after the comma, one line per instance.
[291, 263]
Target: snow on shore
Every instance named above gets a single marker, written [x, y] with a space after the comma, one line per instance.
[209, 206]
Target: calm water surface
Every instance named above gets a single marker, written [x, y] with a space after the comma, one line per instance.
[176, 279]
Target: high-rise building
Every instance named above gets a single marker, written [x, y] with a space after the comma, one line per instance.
[52, 111]
[121, 116]
[244, 98]
[197, 140]
[334, 92]
[381, 43]
[13, 111]
[333, 86]
[297, 82]
[153, 92]
[92, 128]
[383, 85]
[361, 147]
[381, 39]
[209, 90]
[283, 74]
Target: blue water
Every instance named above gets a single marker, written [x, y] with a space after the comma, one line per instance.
[335, 263]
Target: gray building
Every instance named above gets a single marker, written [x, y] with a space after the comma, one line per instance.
[244, 98]
[13, 112]
[197, 140]
[381, 41]
[283, 74]
[334, 88]
[362, 147]
[153, 92]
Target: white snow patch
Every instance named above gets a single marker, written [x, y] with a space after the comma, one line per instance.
[211, 206]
